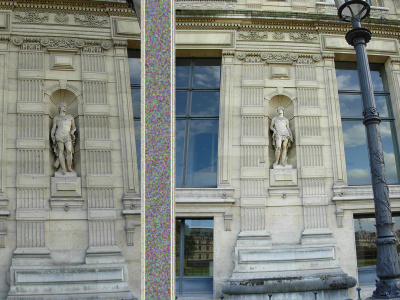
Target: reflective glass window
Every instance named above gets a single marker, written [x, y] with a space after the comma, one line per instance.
[354, 134]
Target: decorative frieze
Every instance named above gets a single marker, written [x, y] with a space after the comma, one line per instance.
[252, 218]
[98, 162]
[31, 17]
[97, 127]
[61, 18]
[101, 233]
[30, 234]
[30, 126]
[253, 188]
[95, 92]
[30, 162]
[309, 126]
[30, 198]
[311, 156]
[30, 90]
[91, 20]
[252, 36]
[202, 5]
[100, 198]
[303, 37]
[253, 126]
[252, 96]
[252, 156]
[307, 97]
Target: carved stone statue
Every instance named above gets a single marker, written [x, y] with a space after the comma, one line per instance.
[63, 137]
[282, 137]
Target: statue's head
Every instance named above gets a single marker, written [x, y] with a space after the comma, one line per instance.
[280, 108]
[61, 104]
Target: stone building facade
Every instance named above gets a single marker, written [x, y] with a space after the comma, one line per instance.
[244, 228]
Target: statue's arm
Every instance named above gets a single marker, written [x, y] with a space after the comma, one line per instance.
[73, 128]
[272, 127]
[53, 130]
[290, 131]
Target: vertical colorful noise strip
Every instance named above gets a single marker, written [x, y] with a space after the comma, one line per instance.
[158, 148]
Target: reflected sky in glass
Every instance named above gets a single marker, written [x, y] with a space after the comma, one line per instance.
[387, 132]
[382, 105]
[205, 104]
[206, 73]
[182, 73]
[181, 99]
[347, 80]
[350, 105]
[202, 153]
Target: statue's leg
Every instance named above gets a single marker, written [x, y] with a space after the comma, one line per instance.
[278, 144]
[68, 148]
[61, 156]
[284, 151]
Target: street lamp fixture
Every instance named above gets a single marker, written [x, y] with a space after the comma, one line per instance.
[387, 264]
[135, 5]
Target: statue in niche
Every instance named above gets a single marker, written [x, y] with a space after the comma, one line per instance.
[63, 137]
[282, 137]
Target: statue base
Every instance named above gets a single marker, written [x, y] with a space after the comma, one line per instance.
[283, 176]
[66, 191]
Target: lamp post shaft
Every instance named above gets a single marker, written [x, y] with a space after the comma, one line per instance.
[387, 266]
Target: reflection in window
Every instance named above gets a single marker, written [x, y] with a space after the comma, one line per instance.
[197, 111]
[134, 72]
[365, 236]
[194, 264]
[354, 135]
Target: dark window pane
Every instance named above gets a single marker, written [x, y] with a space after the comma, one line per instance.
[181, 99]
[356, 151]
[350, 105]
[134, 70]
[207, 73]
[182, 73]
[388, 146]
[202, 153]
[136, 102]
[180, 131]
[177, 245]
[347, 79]
[205, 104]
[382, 104]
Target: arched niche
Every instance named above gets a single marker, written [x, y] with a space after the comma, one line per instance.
[271, 111]
[54, 97]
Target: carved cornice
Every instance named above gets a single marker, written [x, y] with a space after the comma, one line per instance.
[36, 43]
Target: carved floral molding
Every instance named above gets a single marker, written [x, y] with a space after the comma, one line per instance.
[61, 43]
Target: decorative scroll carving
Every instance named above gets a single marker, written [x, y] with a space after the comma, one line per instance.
[278, 36]
[303, 37]
[31, 17]
[91, 20]
[280, 57]
[201, 5]
[61, 18]
[253, 36]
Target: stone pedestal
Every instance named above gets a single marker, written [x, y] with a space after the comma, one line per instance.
[283, 176]
[66, 191]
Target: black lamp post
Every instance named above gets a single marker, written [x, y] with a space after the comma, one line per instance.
[387, 265]
[135, 5]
